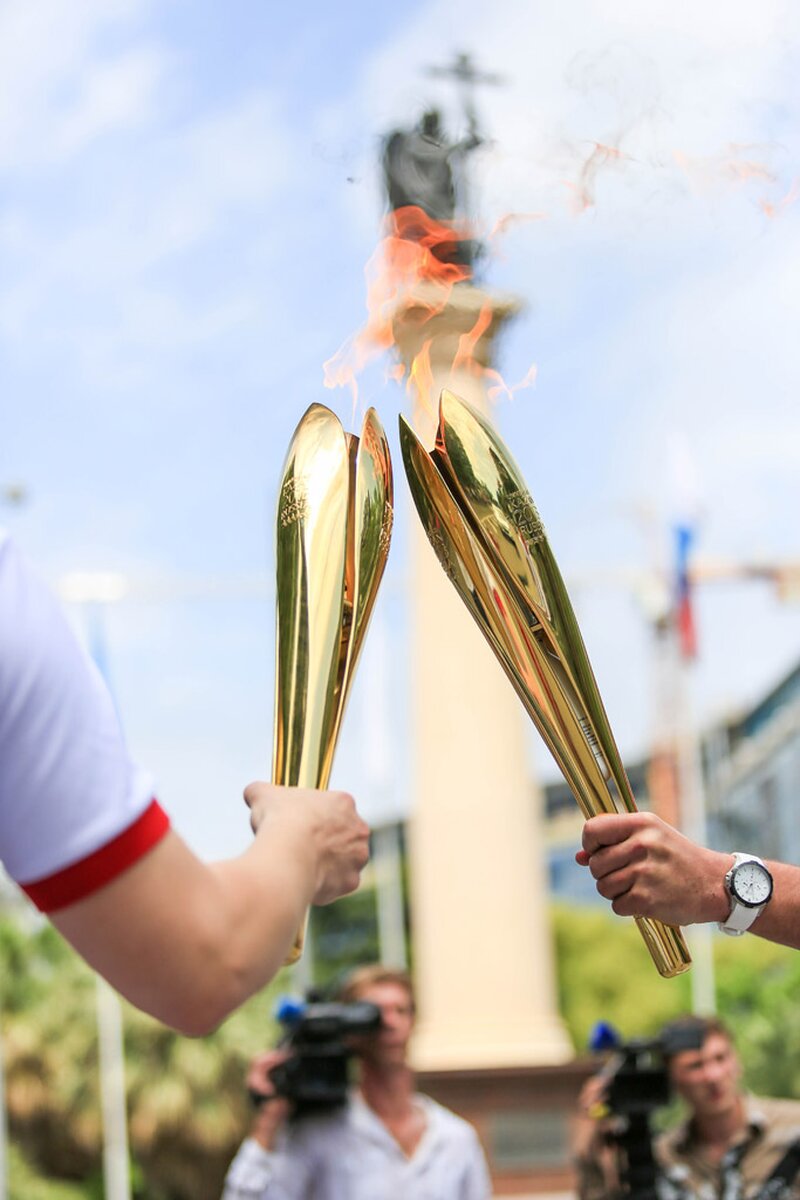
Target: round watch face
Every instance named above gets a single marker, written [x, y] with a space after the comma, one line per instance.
[751, 884]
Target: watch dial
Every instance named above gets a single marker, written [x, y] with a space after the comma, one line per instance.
[751, 883]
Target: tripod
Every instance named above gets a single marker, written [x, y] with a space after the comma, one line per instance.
[638, 1171]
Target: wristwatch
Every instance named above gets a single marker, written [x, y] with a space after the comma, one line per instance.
[749, 885]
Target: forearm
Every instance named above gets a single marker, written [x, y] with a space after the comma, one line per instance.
[186, 941]
[646, 868]
[592, 1157]
[780, 920]
[595, 1180]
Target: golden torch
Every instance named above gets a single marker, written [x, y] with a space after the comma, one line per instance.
[489, 538]
[334, 525]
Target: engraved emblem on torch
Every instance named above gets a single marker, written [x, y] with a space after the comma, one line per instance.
[293, 502]
[526, 517]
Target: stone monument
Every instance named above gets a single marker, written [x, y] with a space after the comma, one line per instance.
[489, 1040]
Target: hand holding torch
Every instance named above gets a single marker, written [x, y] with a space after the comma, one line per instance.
[489, 538]
[333, 530]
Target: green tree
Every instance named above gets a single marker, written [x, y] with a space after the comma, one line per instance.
[344, 934]
[605, 973]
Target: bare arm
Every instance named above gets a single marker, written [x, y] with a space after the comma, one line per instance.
[646, 868]
[261, 1170]
[594, 1158]
[188, 941]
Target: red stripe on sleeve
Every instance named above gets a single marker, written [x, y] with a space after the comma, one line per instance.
[89, 874]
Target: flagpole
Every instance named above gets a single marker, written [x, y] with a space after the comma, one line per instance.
[688, 748]
[3, 1119]
[111, 1047]
[387, 857]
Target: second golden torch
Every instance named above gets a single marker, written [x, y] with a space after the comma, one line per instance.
[488, 537]
[334, 524]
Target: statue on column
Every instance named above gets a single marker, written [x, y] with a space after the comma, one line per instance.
[421, 168]
[424, 170]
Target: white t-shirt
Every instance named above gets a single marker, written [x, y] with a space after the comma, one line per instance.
[350, 1155]
[75, 811]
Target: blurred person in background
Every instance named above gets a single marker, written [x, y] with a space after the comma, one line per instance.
[84, 837]
[731, 1145]
[387, 1140]
[647, 868]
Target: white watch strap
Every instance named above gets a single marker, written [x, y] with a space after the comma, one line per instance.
[741, 916]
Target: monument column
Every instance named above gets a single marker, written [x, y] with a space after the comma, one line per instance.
[484, 967]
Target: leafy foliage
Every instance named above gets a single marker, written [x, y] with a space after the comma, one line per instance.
[25, 1184]
[605, 974]
[186, 1099]
[187, 1105]
[188, 1109]
[344, 935]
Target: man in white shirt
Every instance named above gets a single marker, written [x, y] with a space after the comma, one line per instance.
[83, 835]
[387, 1142]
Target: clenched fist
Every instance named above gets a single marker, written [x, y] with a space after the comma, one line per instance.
[330, 829]
[647, 869]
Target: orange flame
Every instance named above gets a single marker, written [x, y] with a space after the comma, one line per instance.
[415, 249]
[704, 173]
[501, 388]
[584, 189]
[773, 209]
[503, 225]
[420, 377]
[465, 354]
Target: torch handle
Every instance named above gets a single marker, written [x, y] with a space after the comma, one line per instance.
[667, 946]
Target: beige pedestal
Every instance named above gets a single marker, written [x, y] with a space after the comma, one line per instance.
[524, 1117]
[482, 948]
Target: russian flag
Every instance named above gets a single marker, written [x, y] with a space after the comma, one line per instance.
[684, 611]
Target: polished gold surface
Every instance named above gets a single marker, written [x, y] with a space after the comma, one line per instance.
[488, 536]
[333, 530]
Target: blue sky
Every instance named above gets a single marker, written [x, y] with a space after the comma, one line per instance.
[188, 196]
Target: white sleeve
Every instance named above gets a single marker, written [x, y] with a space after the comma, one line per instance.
[476, 1182]
[68, 787]
[250, 1173]
[259, 1174]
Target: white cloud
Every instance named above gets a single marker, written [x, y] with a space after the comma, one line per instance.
[54, 95]
[695, 292]
[96, 280]
[115, 95]
[147, 205]
[652, 79]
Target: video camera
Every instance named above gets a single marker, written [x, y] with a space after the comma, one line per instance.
[315, 1076]
[639, 1080]
[638, 1084]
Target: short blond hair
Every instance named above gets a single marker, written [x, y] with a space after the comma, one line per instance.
[360, 978]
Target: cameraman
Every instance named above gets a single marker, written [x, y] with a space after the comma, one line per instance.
[731, 1146]
[387, 1140]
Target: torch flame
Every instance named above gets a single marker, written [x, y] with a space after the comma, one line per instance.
[414, 249]
[730, 167]
[584, 189]
[420, 377]
[465, 354]
[775, 208]
[501, 388]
